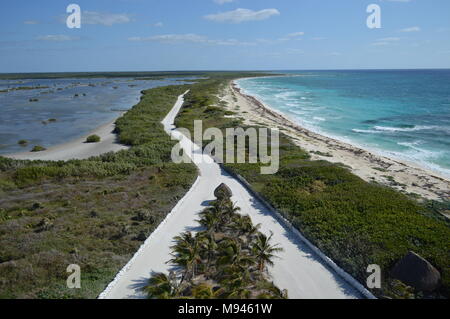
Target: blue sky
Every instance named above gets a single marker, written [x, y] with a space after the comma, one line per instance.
[146, 35]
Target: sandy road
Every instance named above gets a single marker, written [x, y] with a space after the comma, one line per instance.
[298, 269]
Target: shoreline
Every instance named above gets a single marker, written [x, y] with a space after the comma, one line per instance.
[400, 175]
[78, 149]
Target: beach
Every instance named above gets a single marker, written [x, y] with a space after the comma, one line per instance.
[404, 176]
[78, 148]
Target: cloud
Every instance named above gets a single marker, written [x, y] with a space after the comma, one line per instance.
[56, 38]
[223, 1]
[242, 15]
[398, 0]
[31, 22]
[295, 34]
[385, 41]
[158, 24]
[188, 38]
[106, 19]
[411, 29]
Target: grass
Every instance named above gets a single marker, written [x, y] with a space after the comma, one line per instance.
[354, 222]
[95, 213]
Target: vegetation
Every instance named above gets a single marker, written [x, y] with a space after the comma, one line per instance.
[354, 222]
[137, 75]
[22, 142]
[228, 259]
[95, 213]
[93, 139]
[38, 148]
[23, 88]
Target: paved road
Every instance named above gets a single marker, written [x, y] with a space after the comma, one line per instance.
[299, 269]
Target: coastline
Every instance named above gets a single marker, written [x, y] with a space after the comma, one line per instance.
[403, 176]
[78, 149]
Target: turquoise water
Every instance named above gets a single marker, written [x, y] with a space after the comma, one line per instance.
[399, 114]
[78, 105]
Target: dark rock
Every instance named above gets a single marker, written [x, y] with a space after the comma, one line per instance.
[223, 192]
[417, 272]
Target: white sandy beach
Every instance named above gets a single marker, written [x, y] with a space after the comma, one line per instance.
[78, 149]
[405, 177]
[298, 269]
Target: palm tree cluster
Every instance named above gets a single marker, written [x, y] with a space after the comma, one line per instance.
[228, 259]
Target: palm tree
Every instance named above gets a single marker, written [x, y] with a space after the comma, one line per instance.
[264, 251]
[228, 210]
[205, 291]
[161, 286]
[208, 247]
[244, 226]
[186, 253]
[231, 254]
[210, 220]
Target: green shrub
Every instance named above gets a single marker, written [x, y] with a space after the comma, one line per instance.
[23, 142]
[38, 148]
[93, 139]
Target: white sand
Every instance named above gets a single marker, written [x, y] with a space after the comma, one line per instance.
[408, 177]
[78, 149]
[299, 269]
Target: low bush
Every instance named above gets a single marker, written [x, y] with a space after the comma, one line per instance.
[93, 139]
[38, 148]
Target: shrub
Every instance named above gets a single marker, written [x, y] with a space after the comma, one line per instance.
[38, 148]
[93, 139]
[22, 142]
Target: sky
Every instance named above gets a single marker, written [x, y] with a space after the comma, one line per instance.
[156, 35]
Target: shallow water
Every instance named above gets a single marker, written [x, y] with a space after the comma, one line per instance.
[98, 102]
[400, 114]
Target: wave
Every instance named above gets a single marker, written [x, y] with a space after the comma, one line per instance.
[409, 129]
[356, 130]
[388, 129]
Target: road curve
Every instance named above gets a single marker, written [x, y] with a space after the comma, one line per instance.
[298, 269]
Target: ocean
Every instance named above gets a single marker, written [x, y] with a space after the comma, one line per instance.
[403, 114]
[78, 106]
